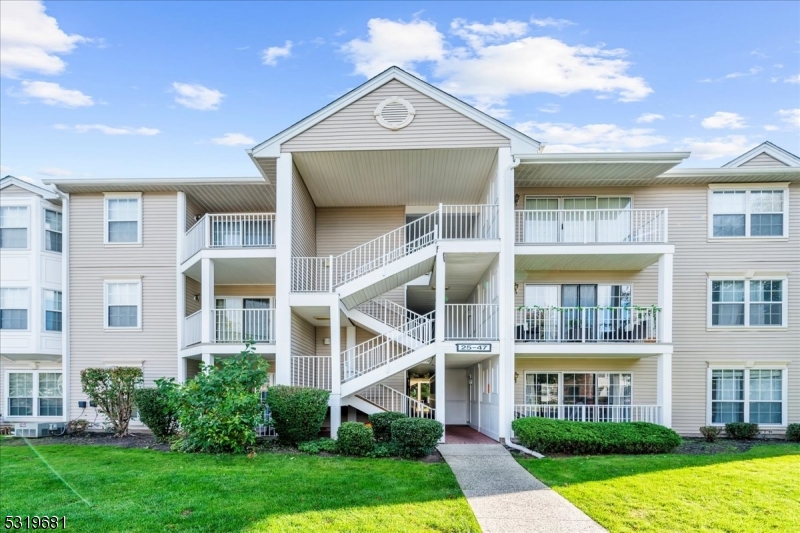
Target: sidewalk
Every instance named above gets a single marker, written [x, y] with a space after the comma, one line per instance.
[506, 498]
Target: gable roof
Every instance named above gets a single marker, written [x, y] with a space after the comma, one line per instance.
[520, 143]
[785, 157]
[44, 192]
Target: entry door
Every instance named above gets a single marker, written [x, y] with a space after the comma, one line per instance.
[456, 396]
[578, 323]
[257, 324]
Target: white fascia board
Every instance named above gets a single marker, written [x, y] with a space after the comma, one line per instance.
[790, 173]
[595, 158]
[45, 193]
[770, 149]
[134, 182]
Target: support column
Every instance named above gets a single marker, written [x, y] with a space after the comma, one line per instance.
[440, 390]
[283, 269]
[181, 377]
[207, 302]
[439, 332]
[505, 280]
[664, 320]
[208, 359]
[336, 370]
[664, 388]
[180, 286]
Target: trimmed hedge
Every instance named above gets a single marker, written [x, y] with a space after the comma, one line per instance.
[382, 424]
[793, 432]
[416, 437]
[545, 435]
[741, 430]
[156, 413]
[710, 433]
[314, 447]
[297, 412]
[354, 438]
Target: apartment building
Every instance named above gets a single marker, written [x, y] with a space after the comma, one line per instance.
[408, 252]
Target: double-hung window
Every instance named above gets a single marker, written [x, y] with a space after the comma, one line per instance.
[756, 395]
[14, 226]
[14, 308]
[747, 302]
[52, 310]
[52, 230]
[748, 212]
[35, 393]
[123, 218]
[123, 302]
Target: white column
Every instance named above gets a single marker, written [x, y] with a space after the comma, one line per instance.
[664, 319]
[208, 359]
[336, 369]
[441, 318]
[181, 372]
[440, 389]
[180, 285]
[207, 302]
[283, 269]
[505, 280]
[65, 311]
[664, 388]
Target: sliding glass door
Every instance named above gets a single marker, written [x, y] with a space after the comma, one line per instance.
[578, 323]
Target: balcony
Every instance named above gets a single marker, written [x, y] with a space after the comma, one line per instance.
[230, 230]
[232, 326]
[592, 413]
[592, 226]
[473, 322]
[587, 324]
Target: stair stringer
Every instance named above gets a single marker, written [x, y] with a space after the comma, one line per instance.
[384, 371]
[377, 327]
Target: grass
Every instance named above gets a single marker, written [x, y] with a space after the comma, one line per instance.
[756, 490]
[145, 490]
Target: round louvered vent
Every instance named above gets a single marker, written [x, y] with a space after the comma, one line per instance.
[394, 113]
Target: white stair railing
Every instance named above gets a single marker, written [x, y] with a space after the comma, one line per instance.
[239, 325]
[587, 324]
[390, 399]
[591, 226]
[383, 349]
[388, 312]
[192, 328]
[313, 371]
[469, 222]
[472, 322]
[311, 274]
[592, 413]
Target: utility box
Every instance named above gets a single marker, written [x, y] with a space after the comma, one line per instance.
[35, 430]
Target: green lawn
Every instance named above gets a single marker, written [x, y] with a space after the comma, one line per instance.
[145, 490]
[757, 490]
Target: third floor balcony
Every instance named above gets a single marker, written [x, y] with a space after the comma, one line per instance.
[230, 231]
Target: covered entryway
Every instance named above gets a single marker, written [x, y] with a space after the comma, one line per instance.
[457, 434]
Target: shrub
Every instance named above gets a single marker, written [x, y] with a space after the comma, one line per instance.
[383, 449]
[77, 426]
[314, 447]
[545, 435]
[297, 412]
[710, 433]
[793, 432]
[220, 408]
[382, 424]
[416, 437]
[354, 438]
[155, 410]
[112, 390]
[741, 430]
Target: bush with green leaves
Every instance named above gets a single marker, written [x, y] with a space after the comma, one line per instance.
[112, 390]
[354, 438]
[793, 432]
[383, 449]
[220, 408]
[297, 412]
[317, 446]
[741, 430]
[710, 433]
[382, 424]
[77, 427]
[156, 411]
[546, 435]
[416, 437]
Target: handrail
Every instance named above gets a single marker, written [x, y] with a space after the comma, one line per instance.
[311, 274]
[390, 313]
[591, 413]
[472, 322]
[239, 325]
[313, 371]
[230, 230]
[590, 226]
[465, 222]
[587, 324]
[390, 399]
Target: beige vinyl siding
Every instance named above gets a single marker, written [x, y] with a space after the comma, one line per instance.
[193, 210]
[192, 368]
[643, 370]
[340, 229]
[244, 291]
[397, 296]
[193, 288]
[154, 347]
[763, 160]
[13, 190]
[303, 336]
[304, 231]
[644, 283]
[355, 128]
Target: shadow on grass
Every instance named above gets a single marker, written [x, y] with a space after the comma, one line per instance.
[142, 490]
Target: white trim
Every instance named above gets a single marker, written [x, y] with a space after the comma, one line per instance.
[28, 225]
[768, 148]
[139, 229]
[747, 278]
[747, 188]
[395, 100]
[603, 157]
[28, 306]
[44, 312]
[115, 280]
[44, 230]
[44, 192]
[35, 390]
[746, 367]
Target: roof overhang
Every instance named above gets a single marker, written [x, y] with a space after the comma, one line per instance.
[128, 184]
[271, 148]
[46, 193]
[701, 176]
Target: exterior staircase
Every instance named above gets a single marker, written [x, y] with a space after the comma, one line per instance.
[379, 398]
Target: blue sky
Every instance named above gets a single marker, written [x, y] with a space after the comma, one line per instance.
[134, 89]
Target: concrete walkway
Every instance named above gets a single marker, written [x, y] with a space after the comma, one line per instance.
[506, 498]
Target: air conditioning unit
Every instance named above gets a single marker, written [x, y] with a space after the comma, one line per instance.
[39, 429]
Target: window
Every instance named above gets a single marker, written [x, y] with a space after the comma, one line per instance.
[36, 393]
[52, 310]
[541, 389]
[52, 231]
[581, 396]
[123, 304]
[748, 302]
[123, 218]
[748, 213]
[14, 226]
[752, 395]
[13, 308]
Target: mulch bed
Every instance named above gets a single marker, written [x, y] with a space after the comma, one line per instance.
[696, 446]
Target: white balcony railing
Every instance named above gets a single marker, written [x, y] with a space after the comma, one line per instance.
[390, 399]
[471, 322]
[239, 325]
[311, 274]
[606, 226]
[192, 328]
[469, 222]
[592, 413]
[587, 324]
[230, 230]
[312, 371]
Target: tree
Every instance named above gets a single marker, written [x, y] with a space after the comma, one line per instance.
[112, 390]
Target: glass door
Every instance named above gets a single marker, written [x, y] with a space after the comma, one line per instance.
[614, 219]
[541, 319]
[578, 323]
[579, 220]
[541, 222]
[257, 324]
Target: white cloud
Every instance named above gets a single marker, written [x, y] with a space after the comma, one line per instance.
[549, 21]
[646, 118]
[771, 127]
[54, 94]
[758, 53]
[108, 130]
[792, 79]
[30, 40]
[477, 34]
[749, 72]
[729, 146]
[562, 137]
[55, 171]
[234, 139]
[195, 96]
[550, 108]
[790, 117]
[724, 119]
[270, 55]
